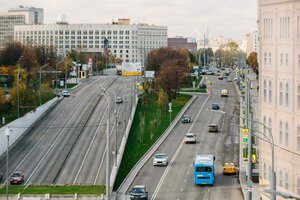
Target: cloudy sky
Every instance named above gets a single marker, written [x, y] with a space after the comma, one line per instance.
[188, 18]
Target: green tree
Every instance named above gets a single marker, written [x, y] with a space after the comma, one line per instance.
[11, 54]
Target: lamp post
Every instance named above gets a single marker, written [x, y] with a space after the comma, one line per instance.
[107, 146]
[7, 177]
[271, 142]
[40, 98]
[18, 88]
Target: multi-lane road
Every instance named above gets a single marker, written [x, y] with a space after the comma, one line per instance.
[68, 145]
[176, 180]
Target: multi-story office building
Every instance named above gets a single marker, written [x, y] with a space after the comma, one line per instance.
[180, 42]
[129, 42]
[18, 16]
[252, 43]
[279, 101]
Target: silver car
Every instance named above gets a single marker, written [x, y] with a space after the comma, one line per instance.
[160, 159]
[190, 138]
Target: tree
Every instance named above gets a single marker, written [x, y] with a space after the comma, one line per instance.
[252, 62]
[45, 55]
[11, 54]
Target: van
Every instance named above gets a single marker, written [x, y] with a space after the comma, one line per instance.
[224, 93]
[213, 128]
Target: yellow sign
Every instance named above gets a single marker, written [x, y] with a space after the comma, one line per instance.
[244, 136]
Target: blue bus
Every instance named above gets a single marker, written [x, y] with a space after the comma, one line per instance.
[204, 171]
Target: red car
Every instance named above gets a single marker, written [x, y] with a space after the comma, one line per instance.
[17, 178]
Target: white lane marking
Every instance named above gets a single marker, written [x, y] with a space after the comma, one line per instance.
[100, 166]
[88, 150]
[56, 139]
[166, 171]
[175, 155]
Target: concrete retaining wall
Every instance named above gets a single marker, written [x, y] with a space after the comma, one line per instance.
[22, 125]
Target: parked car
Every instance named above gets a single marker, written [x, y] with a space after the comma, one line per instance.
[202, 86]
[215, 106]
[17, 177]
[220, 78]
[139, 192]
[190, 138]
[1, 175]
[186, 119]
[65, 93]
[119, 100]
[229, 168]
[229, 80]
[224, 93]
[213, 128]
[160, 159]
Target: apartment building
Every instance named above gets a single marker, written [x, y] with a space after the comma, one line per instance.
[279, 96]
[18, 16]
[181, 42]
[129, 42]
[252, 43]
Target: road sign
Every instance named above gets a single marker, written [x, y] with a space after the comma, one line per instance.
[249, 184]
[245, 136]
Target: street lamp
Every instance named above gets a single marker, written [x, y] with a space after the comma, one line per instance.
[40, 98]
[271, 142]
[7, 178]
[107, 145]
[57, 75]
[18, 84]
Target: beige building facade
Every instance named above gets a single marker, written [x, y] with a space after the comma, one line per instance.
[279, 95]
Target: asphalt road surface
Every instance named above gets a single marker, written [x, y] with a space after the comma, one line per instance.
[176, 180]
[68, 145]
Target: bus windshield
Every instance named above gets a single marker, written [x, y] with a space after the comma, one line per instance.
[203, 169]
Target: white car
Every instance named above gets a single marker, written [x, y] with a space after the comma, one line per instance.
[190, 138]
[119, 100]
[160, 159]
[65, 93]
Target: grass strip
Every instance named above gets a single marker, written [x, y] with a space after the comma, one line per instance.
[66, 189]
[196, 90]
[149, 122]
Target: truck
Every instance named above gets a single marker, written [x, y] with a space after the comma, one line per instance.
[204, 170]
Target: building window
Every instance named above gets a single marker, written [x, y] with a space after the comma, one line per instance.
[281, 94]
[280, 132]
[265, 171]
[281, 59]
[298, 138]
[298, 186]
[286, 94]
[270, 59]
[298, 60]
[280, 179]
[286, 181]
[286, 59]
[265, 58]
[286, 134]
[270, 127]
[265, 90]
[298, 97]
[270, 92]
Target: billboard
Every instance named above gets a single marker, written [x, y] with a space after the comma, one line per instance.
[131, 69]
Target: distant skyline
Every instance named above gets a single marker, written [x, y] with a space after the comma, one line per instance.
[187, 18]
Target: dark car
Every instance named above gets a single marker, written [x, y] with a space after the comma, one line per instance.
[186, 119]
[202, 86]
[220, 78]
[215, 106]
[17, 178]
[139, 192]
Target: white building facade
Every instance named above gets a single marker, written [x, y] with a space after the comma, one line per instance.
[279, 95]
[129, 42]
[252, 43]
[18, 16]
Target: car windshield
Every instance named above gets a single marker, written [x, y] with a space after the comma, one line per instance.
[189, 136]
[160, 156]
[16, 175]
[137, 190]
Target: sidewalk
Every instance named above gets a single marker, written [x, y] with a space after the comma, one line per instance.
[243, 163]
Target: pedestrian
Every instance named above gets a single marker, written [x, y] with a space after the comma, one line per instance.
[257, 88]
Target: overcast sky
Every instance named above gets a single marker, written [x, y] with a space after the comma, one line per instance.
[188, 18]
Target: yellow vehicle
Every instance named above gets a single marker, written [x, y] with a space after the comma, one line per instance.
[224, 93]
[229, 168]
